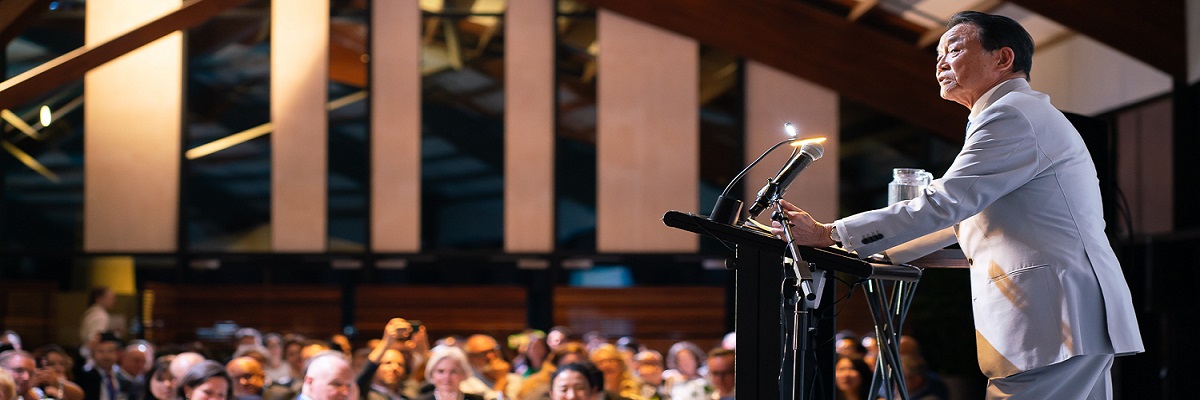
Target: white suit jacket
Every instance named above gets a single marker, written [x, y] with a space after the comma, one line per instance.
[1023, 200]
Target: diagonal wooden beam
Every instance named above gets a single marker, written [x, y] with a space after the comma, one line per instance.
[75, 64]
[862, 64]
[1153, 31]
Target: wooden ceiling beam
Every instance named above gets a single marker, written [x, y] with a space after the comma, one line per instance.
[867, 66]
[1153, 31]
[73, 65]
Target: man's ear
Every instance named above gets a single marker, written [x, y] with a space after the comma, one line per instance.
[1005, 57]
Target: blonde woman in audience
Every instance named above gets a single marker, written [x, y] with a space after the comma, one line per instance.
[446, 369]
[618, 381]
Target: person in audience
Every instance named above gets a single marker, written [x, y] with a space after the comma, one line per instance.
[385, 369]
[921, 383]
[341, 343]
[648, 368]
[537, 386]
[160, 383]
[852, 378]
[329, 377]
[847, 343]
[247, 376]
[182, 363]
[720, 373]
[8, 388]
[872, 346]
[729, 341]
[628, 347]
[581, 380]
[101, 381]
[206, 380]
[95, 319]
[131, 370]
[248, 337]
[446, 370]
[683, 377]
[275, 367]
[618, 381]
[558, 336]
[531, 351]
[53, 377]
[21, 366]
[493, 376]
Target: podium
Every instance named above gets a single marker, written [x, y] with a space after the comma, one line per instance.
[787, 353]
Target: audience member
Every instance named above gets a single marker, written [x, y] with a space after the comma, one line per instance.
[53, 378]
[577, 381]
[618, 381]
[385, 370]
[648, 368]
[921, 383]
[247, 376]
[182, 363]
[852, 378]
[532, 351]
[95, 319]
[275, 367]
[206, 380]
[847, 343]
[537, 386]
[131, 370]
[160, 383]
[21, 366]
[558, 336]
[493, 376]
[683, 377]
[8, 388]
[101, 381]
[328, 377]
[720, 373]
[447, 369]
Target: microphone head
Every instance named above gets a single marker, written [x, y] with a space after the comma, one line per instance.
[814, 150]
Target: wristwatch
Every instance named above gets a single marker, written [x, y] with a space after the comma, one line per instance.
[835, 236]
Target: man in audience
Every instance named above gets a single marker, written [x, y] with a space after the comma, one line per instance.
[648, 368]
[248, 376]
[131, 371]
[21, 365]
[492, 372]
[720, 373]
[182, 363]
[95, 319]
[329, 377]
[100, 382]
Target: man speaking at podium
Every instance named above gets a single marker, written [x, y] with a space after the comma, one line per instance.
[1051, 306]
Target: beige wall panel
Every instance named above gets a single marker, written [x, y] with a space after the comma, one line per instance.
[132, 126]
[395, 126]
[299, 81]
[772, 99]
[529, 127]
[647, 136]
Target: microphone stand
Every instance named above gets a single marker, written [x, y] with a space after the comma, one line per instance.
[801, 309]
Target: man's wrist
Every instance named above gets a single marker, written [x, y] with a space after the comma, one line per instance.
[833, 235]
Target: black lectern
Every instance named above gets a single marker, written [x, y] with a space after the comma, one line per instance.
[771, 363]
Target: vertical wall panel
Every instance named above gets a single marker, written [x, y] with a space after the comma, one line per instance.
[132, 128]
[529, 126]
[773, 98]
[647, 136]
[395, 126]
[299, 88]
[1145, 166]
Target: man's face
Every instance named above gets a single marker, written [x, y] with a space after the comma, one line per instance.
[105, 354]
[720, 371]
[22, 369]
[133, 362]
[965, 71]
[331, 381]
[480, 352]
[247, 375]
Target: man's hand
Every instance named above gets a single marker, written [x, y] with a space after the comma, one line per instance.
[397, 329]
[806, 231]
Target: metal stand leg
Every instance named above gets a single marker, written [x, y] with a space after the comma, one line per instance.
[889, 320]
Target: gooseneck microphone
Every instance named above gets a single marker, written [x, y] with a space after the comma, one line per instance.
[808, 152]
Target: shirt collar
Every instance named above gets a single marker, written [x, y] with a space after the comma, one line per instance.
[986, 100]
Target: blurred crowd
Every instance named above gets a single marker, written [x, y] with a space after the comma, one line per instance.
[403, 363]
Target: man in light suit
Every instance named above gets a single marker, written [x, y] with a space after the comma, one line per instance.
[1050, 303]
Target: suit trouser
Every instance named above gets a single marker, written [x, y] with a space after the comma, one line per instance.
[1084, 377]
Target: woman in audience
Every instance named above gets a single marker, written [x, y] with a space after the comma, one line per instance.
[618, 381]
[852, 378]
[577, 381]
[160, 383]
[447, 368]
[205, 381]
[683, 379]
[537, 386]
[53, 379]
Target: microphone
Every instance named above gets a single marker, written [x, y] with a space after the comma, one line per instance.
[810, 151]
